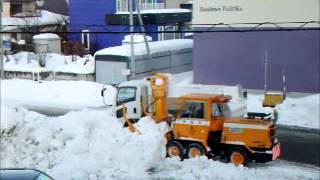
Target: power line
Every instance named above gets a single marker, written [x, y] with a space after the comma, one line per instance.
[199, 28]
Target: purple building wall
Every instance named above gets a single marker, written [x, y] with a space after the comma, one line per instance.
[232, 58]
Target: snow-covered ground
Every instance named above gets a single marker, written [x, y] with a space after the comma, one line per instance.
[76, 95]
[69, 95]
[91, 144]
[27, 62]
[301, 111]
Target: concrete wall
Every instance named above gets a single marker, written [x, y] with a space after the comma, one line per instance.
[232, 58]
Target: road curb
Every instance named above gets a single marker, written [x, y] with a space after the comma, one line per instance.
[299, 129]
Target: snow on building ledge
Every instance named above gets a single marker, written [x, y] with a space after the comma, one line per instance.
[158, 11]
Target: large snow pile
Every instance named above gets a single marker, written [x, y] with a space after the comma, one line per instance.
[45, 18]
[93, 145]
[155, 47]
[27, 62]
[80, 145]
[294, 111]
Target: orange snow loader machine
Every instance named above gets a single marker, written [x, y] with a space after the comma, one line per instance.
[202, 126]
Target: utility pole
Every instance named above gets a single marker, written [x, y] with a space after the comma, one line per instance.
[143, 29]
[1, 44]
[132, 57]
[265, 71]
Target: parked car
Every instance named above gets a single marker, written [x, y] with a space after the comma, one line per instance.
[23, 174]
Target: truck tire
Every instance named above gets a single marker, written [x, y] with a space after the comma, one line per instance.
[238, 156]
[194, 150]
[175, 149]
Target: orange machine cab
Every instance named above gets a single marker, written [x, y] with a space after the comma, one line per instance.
[202, 127]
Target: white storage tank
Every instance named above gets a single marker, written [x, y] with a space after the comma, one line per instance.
[47, 42]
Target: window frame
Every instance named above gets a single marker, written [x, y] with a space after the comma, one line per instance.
[221, 109]
[131, 99]
[200, 118]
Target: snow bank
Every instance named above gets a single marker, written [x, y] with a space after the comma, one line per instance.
[140, 49]
[81, 145]
[303, 111]
[93, 145]
[70, 95]
[54, 63]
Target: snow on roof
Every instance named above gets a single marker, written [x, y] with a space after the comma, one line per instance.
[140, 49]
[188, 2]
[137, 38]
[46, 18]
[158, 11]
[46, 36]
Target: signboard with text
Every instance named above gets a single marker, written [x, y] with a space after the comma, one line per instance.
[255, 11]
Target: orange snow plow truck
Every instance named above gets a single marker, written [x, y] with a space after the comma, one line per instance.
[202, 124]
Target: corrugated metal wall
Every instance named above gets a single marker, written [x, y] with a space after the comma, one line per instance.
[232, 58]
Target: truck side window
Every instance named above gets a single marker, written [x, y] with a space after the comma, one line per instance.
[217, 110]
[193, 110]
[126, 94]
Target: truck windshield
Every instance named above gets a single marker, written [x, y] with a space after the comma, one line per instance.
[193, 110]
[126, 94]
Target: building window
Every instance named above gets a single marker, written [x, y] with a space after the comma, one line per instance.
[85, 39]
[122, 5]
[15, 8]
[164, 32]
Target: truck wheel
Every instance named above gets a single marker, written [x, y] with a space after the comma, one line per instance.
[238, 157]
[194, 150]
[174, 149]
